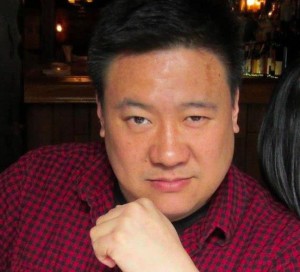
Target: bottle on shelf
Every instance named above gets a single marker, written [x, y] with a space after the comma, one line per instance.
[247, 59]
[265, 58]
[270, 60]
[281, 53]
[257, 59]
[278, 59]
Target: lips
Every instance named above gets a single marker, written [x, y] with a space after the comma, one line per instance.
[168, 185]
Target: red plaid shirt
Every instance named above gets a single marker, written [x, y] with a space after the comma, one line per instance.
[52, 197]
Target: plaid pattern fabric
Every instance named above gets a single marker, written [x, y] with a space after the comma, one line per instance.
[51, 198]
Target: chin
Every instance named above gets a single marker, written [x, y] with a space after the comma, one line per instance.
[175, 214]
[175, 210]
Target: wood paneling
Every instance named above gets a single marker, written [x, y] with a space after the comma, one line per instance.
[49, 124]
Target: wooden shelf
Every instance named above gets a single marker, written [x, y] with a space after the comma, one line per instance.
[79, 89]
[70, 89]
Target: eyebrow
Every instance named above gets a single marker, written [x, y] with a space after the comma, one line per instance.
[200, 104]
[127, 102]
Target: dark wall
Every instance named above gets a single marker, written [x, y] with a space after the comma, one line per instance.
[10, 83]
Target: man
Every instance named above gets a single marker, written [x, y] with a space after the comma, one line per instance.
[162, 194]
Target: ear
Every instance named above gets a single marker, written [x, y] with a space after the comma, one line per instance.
[235, 112]
[101, 117]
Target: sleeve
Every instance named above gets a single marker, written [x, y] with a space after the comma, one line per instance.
[11, 183]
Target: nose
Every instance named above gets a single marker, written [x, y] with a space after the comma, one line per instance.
[169, 147]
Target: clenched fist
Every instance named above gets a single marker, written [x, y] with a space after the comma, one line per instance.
[138, 237]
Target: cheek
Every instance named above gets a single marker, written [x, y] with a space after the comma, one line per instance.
[122, 159]
[217, 142]
[124, 151]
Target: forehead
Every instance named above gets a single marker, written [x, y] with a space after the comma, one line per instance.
[172, 72]
[168, 57]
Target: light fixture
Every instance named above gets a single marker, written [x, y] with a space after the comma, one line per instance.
[59, 28]
[252, 5]
[80, 1]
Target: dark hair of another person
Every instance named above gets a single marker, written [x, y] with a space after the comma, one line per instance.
[279, 140]
[141, 26]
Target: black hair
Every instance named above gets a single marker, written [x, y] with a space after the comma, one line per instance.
[279, 140]
[140, 26]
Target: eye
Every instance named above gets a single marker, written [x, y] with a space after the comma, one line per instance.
[195, 118]
[139, 120]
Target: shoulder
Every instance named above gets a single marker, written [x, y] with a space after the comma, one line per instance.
[71, 153]
[272, 224]
[55, 161]
[69, 149]
[52, 169]
[265, 226]
[259, 199]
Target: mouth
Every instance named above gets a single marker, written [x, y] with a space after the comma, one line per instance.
[169, 185]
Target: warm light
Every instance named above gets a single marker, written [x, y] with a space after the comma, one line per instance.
[252, 5]
[59, 28]
[74, 1]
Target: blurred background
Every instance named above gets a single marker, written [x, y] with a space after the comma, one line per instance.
[49, 25]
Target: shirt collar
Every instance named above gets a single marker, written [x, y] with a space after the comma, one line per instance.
[95, 184]
[226, 210]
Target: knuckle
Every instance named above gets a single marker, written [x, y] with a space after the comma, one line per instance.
[138, 208]
[125, 223]
[145, 202]
[98, 251]
[133, 208]
[98, 221]
[118, 238]
[93, 232]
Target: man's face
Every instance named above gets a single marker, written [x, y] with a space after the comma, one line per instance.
[169, 123]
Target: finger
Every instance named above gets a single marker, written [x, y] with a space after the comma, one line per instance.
[108, 262]
[102, 229]
[101, 248]
[112, 214]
